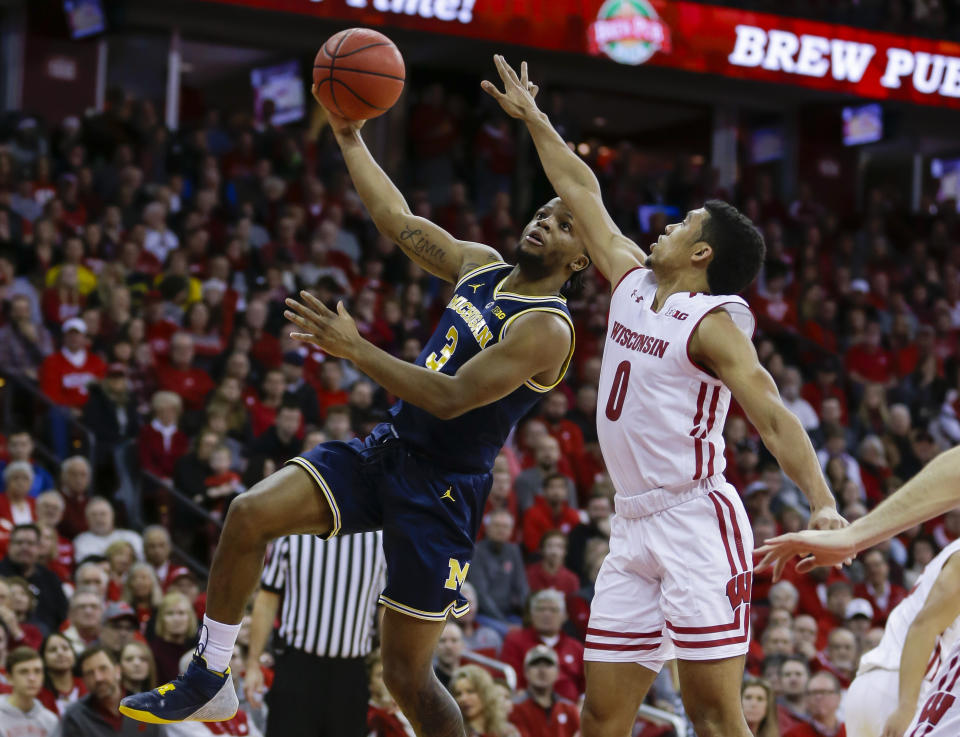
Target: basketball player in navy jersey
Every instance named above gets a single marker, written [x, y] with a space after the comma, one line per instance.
[504, 340]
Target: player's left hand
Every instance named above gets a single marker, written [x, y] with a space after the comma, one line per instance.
[827, 518]
[334, 332]
[517, 98]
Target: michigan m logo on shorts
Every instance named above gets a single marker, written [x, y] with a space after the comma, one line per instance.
[457, 575]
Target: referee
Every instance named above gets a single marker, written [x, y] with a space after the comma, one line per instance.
[326, 593]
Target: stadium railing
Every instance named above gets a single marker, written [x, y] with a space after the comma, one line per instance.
[507, 671]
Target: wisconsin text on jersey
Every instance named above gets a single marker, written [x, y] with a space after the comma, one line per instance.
[472, 316]
[638, 341]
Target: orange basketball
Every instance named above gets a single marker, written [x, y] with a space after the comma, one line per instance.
[359, 73]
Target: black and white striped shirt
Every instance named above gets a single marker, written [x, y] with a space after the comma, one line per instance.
[330, 591]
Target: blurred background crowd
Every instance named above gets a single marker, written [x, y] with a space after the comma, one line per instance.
[148, 379]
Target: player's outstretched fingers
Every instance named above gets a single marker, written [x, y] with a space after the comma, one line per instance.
[316, 304]
[303, 311]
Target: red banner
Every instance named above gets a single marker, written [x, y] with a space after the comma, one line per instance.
[682, 35]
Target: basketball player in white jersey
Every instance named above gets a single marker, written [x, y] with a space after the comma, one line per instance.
[901, 671]
[678, 577]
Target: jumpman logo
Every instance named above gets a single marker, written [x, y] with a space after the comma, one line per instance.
[475, 287]
[448, 495]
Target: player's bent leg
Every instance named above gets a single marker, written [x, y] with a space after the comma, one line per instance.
[287, 502]
[711, 696]
[407, 647]
[614, 693]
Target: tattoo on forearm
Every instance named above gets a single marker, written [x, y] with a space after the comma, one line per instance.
[418, 243]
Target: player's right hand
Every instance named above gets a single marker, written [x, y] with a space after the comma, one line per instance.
[517, 98]
[339, 124]
[817, 547]
[897, 723]
[253, 687]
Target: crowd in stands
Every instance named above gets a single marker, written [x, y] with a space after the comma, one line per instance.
[142, 279]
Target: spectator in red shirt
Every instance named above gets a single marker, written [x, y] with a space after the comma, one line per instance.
[840, 657]
[161, 442]
[550, 512]
[877, 588]
[548, 460]
[547, 614]
[868, 361]
[181, 377]
[64, 375]
[484, 709]
[823, 701]
[825, 386]
[792, 691]
[839, 596]
[567, 433]
[775, 312]
[16, 506]
[550, 572]
[330, 391]
[540, 711]
[266, 348]
[75, 478]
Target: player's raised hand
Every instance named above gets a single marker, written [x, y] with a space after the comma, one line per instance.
[517, 98]
[339, 124]
[817, 547]
[334, 332]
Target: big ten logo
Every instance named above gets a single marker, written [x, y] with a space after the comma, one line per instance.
[676, 314]
[458, 574]
[738, 589]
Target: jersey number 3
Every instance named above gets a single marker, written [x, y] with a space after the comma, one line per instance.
[618, 391]
[436, 362]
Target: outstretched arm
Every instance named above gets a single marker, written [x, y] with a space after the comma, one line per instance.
[939, 611]
[935, 490]
[722, 347]
[429, 245]
[612, 252]
[538, 343]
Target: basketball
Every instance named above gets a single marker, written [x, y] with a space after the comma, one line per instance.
[359, 73]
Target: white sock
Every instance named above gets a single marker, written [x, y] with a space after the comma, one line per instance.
[216, 643]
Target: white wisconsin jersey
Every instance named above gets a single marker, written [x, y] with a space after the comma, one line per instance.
[660, 416]
[886, 655]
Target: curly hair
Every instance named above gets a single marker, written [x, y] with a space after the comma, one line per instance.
[494, 710]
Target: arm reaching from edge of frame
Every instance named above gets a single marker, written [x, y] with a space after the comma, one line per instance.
[932, 492]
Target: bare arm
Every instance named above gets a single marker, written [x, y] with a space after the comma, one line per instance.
[935, 490]
[720, 345]
[427, 244]
[613, 253]
[265, 607]
[939, 611]
[538, 343]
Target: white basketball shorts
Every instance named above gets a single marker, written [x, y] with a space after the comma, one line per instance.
[676, 583]
[870, 700]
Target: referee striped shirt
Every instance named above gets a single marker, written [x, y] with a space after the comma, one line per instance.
[330, 591]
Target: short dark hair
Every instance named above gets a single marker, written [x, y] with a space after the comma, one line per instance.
[21, 655]
[26, 526]
[92, 651]
[550, 477]
[550, 534]
[796, 659]
[738, 248]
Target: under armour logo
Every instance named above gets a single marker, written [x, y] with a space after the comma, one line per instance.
[636, 297]
[448, 495]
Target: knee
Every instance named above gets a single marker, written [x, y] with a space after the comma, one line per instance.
[598, 721]
[713, 721]
[403, 683]
[245, 519]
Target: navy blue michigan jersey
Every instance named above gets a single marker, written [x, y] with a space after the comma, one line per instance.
[422, 480]
[478, 316]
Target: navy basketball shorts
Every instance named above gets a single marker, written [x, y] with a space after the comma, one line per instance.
[429, 516]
